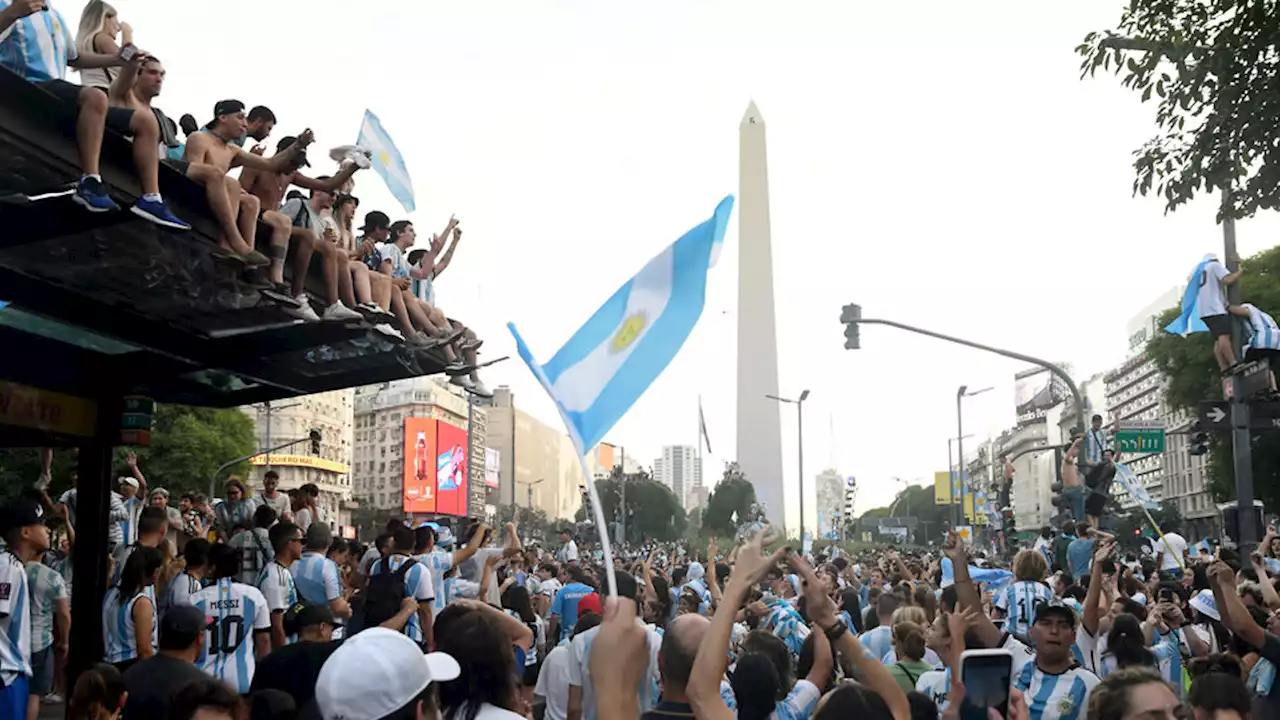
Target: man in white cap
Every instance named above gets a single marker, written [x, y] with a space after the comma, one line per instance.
[381, 674]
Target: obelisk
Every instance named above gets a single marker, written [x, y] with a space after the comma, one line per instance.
[759, 426]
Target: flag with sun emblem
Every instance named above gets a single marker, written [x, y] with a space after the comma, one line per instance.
[387, 160]
[608, 364]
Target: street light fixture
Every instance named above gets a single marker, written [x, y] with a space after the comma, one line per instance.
[799, 403]
[961, 394]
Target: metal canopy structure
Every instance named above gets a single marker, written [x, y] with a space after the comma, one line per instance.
[104, 306]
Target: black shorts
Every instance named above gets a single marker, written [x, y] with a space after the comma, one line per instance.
[1094, 504]
[1219, 325]
[1266, 356]
[118, 119]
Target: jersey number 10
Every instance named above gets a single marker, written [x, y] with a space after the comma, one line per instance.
[225, 634]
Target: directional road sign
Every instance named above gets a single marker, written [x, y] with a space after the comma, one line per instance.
[1216, 415]
[1139, 437]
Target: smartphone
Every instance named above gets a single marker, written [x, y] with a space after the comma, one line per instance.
[987, 676]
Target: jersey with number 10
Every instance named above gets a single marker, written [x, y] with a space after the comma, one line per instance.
[234, 611]
[1019, 602]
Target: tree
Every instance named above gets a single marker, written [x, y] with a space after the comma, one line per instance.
[652, 510]
[729, 503]
[1212, 66]
[1133, 529]
[187, 446]
[1193, 378]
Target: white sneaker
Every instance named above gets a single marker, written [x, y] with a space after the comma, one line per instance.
[338, 312]
[303, 311]
[462, 381]
[479, 389]
[389, 331]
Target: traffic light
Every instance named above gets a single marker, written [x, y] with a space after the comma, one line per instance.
[315, 442]
[850, 317]
[1199, 439]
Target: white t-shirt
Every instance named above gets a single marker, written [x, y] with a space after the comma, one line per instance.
[1212, 298]
[1174, 550]
[553, 683]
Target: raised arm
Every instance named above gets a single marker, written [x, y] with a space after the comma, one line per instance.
[444, 261]
[344, 174]
[1234, 613]
[1092, 600]
[967, 597]
[279, 163]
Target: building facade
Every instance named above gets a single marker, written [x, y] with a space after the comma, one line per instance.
[379, 422]
[538, 465]
[680, 469]
[276, 423]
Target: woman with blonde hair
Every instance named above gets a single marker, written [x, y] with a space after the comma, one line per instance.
[99, 27]
[911, 616]
[1019, 600]
[370, 292]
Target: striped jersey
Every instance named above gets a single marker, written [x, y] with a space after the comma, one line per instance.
[799, 704]
[417, 585]
[1063, 696]
[316, 578]
[121, 556]
[878, 641]
[437, 562]
[235, 611]
[255, 551]
[1264, 333]
[1019, 602]
[277, 586]
[129, 523]
[580, 676]
[15, 619]
[784, 621]
[37, 47]
[1096, 442]
[181, 588]
[119, 631]
[115, 528]
[45, 588]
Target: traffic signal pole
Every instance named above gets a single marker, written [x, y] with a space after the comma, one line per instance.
[1241, 447]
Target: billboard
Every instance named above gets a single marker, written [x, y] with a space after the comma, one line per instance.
[451, 469]
[1035, 391]
[492, 464]
[419, 495]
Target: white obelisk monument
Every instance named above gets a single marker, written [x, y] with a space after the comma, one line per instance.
[759, 426]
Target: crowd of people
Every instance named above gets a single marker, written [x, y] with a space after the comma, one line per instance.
[251, 608]
[372, 273]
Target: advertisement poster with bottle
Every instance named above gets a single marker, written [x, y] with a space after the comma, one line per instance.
[451, 469]
[419, 465]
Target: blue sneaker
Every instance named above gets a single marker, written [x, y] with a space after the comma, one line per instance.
[91, 195]
[157, 213]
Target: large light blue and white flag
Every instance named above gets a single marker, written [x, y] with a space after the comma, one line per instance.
[1134, 487]
[992, 578]
[604, 368]
[1188, 320]
[387, 160]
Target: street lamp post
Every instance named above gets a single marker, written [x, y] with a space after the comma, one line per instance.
[961, 394]
[799, 403]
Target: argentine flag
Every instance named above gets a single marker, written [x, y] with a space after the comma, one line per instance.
[1188, 321]
[993, 578]
[604, 368]
[387, 160]
[1134, 487]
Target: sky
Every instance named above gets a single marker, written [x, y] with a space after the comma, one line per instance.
[939, 163]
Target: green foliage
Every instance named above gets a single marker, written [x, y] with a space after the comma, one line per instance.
[1133, 528]
[729, 503]
[1193, 378]
[187, 446]
[1210, 65]
[653, 511]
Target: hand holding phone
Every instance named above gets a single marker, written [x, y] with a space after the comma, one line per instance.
[987, 676]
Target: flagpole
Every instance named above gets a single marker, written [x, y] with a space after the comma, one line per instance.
[602, 530]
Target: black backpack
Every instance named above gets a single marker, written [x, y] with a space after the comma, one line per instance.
[384, 593]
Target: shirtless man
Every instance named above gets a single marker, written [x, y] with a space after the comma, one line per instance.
[215, 146]
[269, 186]
[140, 82]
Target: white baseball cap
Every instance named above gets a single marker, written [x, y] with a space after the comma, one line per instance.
[377, 672]
[128, 481]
